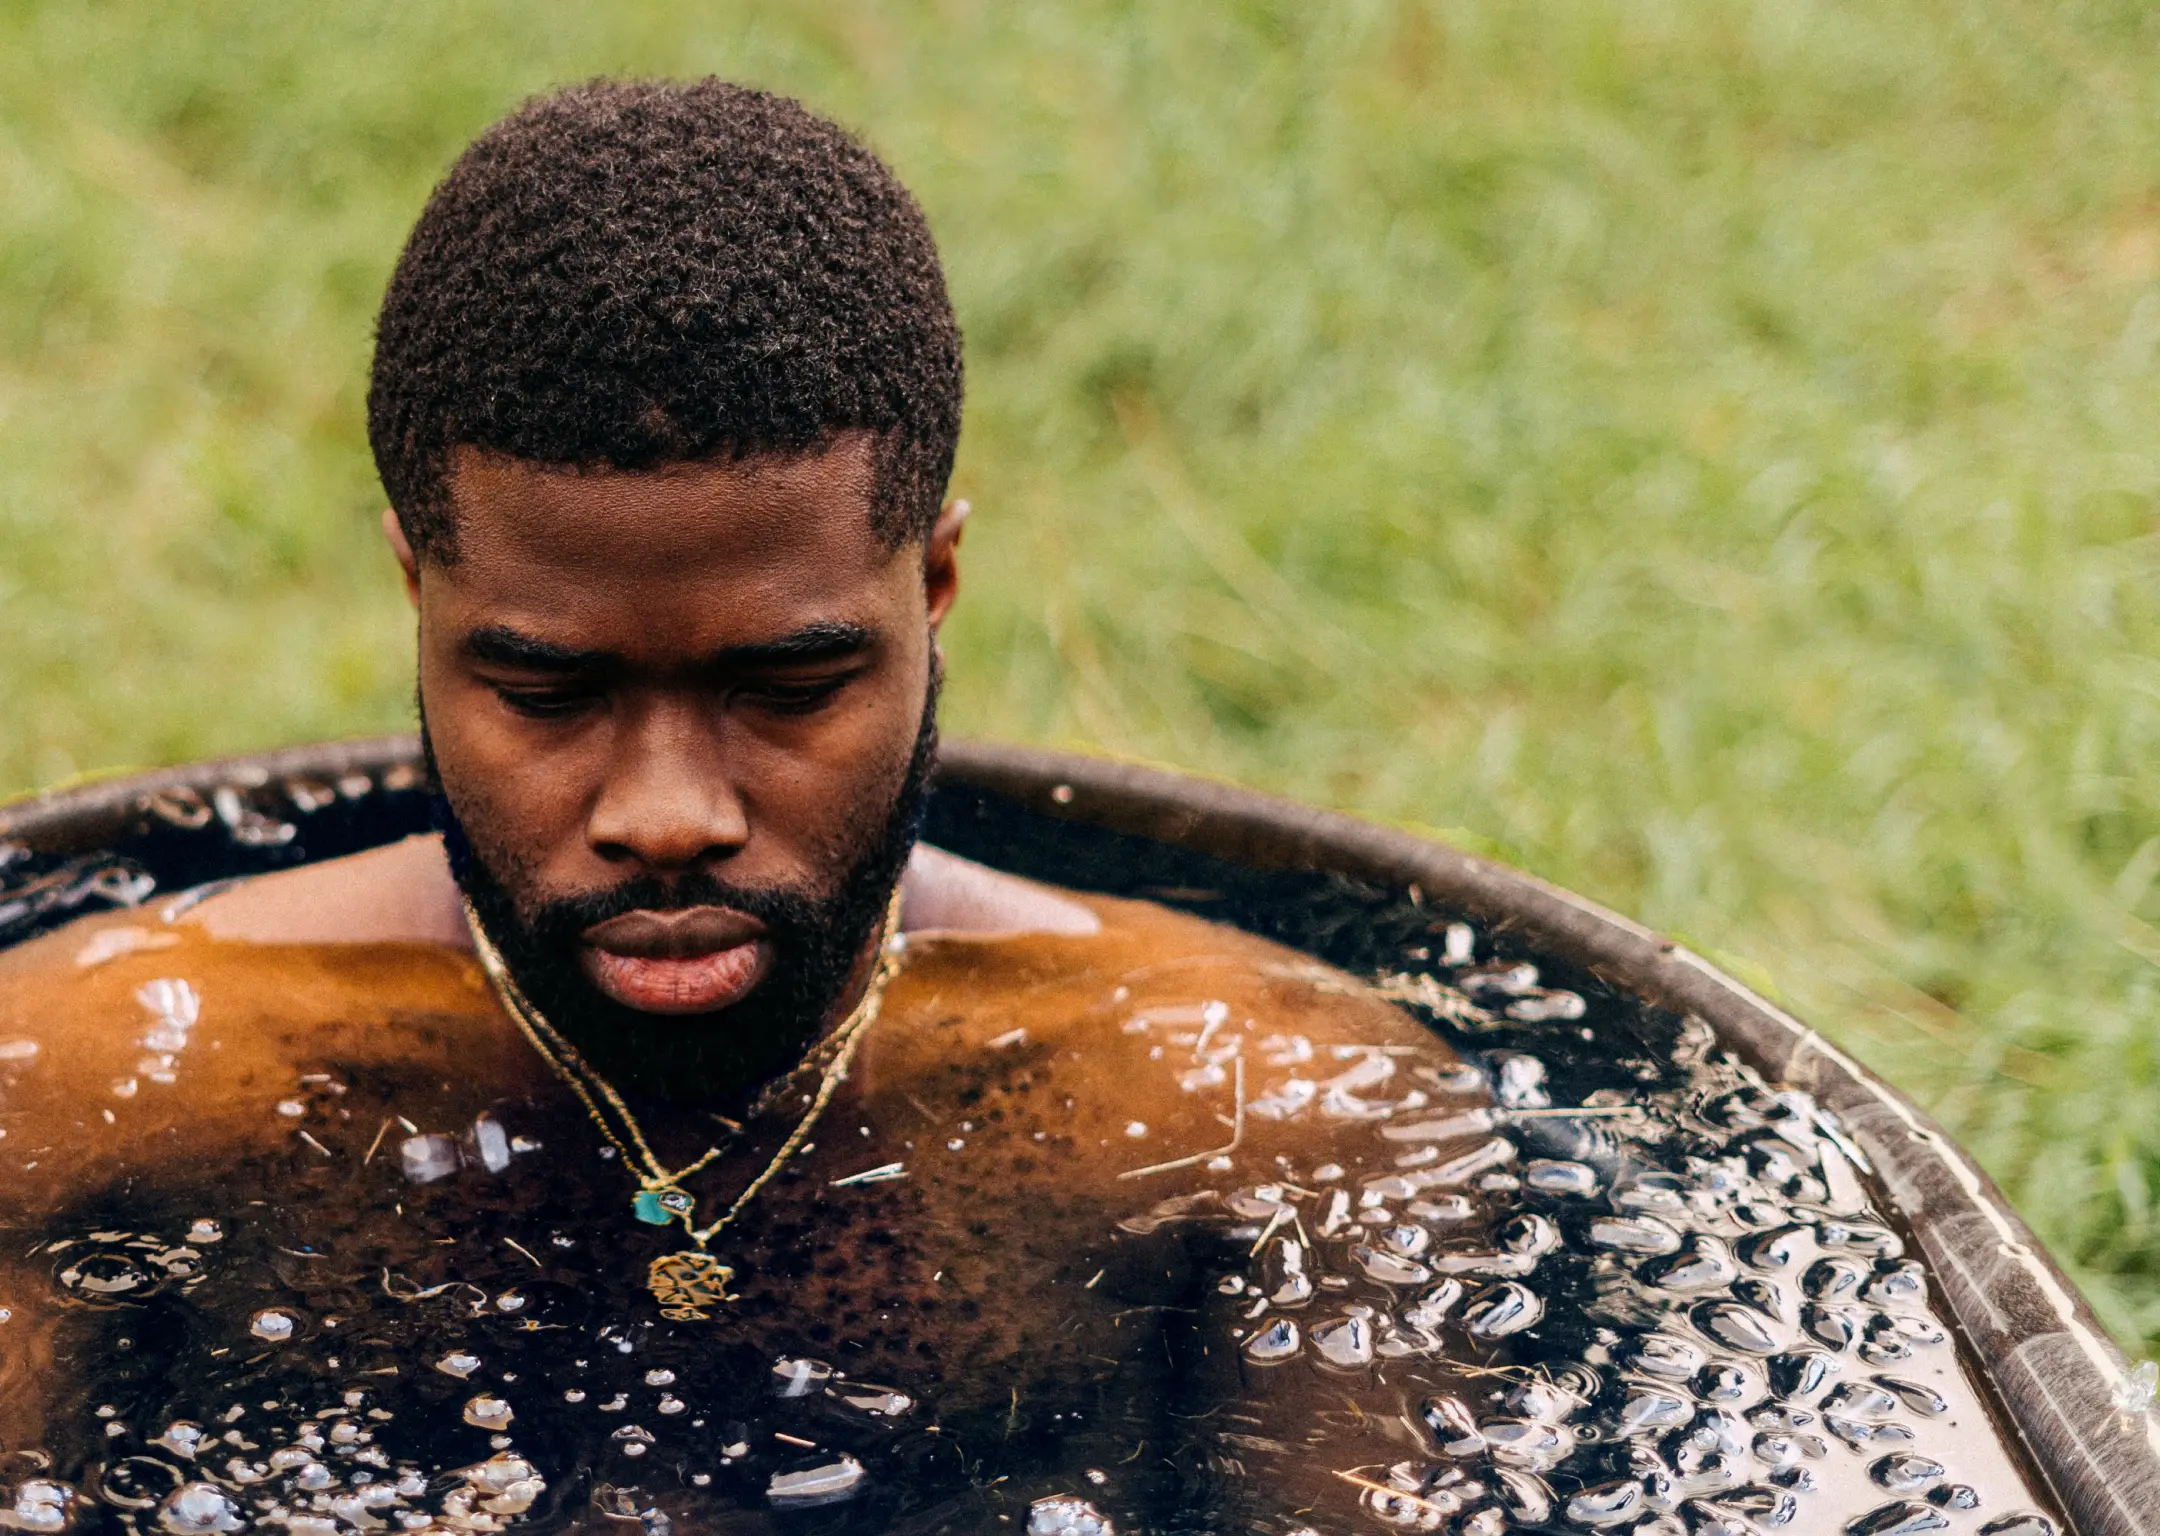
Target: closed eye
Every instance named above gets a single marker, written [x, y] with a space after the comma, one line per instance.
[794, 696]
[546, 703]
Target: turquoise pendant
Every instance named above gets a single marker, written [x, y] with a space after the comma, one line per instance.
[658, 1207]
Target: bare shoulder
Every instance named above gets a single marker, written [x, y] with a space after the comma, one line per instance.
[1155, 1035]
[404, 893]
[117, 1047]
[400, 893]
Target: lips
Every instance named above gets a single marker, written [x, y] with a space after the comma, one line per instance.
[695, 960]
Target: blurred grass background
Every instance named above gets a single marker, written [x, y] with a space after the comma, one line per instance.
[1702, 452]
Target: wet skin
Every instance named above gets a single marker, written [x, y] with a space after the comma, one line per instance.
[1016, 1079]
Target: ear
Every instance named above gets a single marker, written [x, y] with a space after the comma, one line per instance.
[941, 560]
[402, 548]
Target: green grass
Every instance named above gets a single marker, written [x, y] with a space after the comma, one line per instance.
[1705, 451]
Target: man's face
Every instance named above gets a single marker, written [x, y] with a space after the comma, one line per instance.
[674, 714]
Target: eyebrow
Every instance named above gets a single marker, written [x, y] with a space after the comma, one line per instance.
[824, 640]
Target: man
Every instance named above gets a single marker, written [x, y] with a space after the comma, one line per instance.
[628, 1156]
[612, 1155]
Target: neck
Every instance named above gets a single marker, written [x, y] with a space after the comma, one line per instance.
[677, 1061]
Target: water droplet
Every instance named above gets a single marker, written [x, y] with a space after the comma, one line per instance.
[291, 1109]
[15, 1052]
[1607, 1504]
[1860, 1400]
[485, 1412]
[1705, 1264]
[205, 1230]
[273, 1325]
[1921, 1399]
[1903, 1518]
[1560, 1178]
[1667, 1357]
[1653, 1413]
[1737, 1327]
[1634, 1234]
[1904, 1473]
[461, 1365]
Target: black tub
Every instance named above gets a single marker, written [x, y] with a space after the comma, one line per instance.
[2059, 1385]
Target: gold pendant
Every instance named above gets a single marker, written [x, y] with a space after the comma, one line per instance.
[688, 1284]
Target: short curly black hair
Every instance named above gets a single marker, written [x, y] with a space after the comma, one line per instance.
[626, 274]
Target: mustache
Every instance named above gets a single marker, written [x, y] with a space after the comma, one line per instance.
[564, 918]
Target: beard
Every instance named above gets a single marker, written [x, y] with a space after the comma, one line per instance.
[818, 943]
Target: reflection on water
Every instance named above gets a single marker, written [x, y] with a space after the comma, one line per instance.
[1557, 1264]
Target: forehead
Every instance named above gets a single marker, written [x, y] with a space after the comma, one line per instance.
[696, 553]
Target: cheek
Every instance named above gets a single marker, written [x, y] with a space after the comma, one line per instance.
[511, 801]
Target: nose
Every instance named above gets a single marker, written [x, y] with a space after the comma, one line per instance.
[669, 801]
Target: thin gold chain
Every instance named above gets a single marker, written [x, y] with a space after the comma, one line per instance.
[563, 1059]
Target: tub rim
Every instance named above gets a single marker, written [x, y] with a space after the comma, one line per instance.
[2054, 1372]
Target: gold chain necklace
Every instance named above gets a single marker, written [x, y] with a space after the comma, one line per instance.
[690, 1283]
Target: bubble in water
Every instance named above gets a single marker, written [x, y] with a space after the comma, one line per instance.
[1560, 1178]
[799, 1378]
[461, 1365]
[1345, 1342]
[878, 1402]
[1388, 1268]
[1607, 1504]
[182, 1438]
[16, 1052]
[199, 1507]
[273, 1325]
[501, 1485]
[1705, 1264]
[1667, 1356]
[205, 1230]
[37, 1504]
[486, 1412]
[1500, 1310]
[659, 1378]
[1277, 1341]
[1903, 1518]
[1906, 1473]
[827, 1483]
[108, 1276]
[1066, 1516]
[1527, 1443]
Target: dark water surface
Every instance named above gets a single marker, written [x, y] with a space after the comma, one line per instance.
[1561, 1266]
